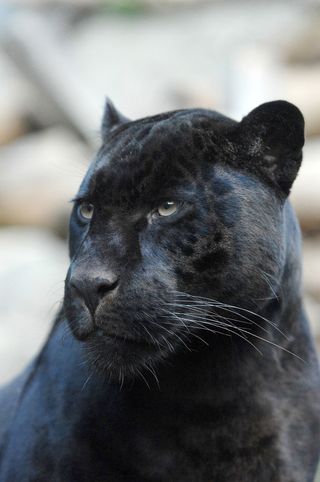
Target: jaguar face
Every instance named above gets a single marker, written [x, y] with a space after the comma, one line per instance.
[177, 224]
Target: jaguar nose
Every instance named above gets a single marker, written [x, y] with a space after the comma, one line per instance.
[94, 288]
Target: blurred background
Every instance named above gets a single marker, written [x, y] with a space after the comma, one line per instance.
[58, 61]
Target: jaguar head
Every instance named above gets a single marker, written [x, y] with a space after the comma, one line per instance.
[177, 231]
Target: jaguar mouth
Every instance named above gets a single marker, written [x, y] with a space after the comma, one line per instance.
[122, 339]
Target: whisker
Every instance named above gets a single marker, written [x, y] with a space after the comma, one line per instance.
[225, 306]
[208, 315]
[195, 301]
[121, 379]
[265, 277]
[143, 378]
[152, 371]
[171, 333]
[223, 326]
[234, 330]
[276, 345]
[199, 338]
[152, 338]
[86, 381]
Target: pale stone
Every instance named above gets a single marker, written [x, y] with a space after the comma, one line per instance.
[311, 267]
[33, 265]
[39, 174]
[305, 192]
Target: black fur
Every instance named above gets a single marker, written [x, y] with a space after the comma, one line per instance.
[190, 358]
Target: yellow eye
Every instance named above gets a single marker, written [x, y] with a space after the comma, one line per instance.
[167, 208]
[85, 211]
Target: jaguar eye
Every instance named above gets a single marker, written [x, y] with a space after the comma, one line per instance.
[85, 211]
[167, 208]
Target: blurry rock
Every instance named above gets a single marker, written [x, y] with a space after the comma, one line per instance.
[311, 267]
[167, 68]
[33, 265]
[301, 69]
[196, 94]
[305, 47]
[33, 43]
[301, 86]
[253, 76]
[189, 47]
[311, 283]
[13, 92]
[313, 312]
[39, 174]
[306, 193]
[21, 102]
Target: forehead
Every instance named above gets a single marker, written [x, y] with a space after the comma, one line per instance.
[151, 157]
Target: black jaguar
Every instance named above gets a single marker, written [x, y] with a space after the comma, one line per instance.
[182, 352]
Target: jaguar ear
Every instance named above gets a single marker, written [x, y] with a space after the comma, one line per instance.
[111, 118]
[272, 136]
